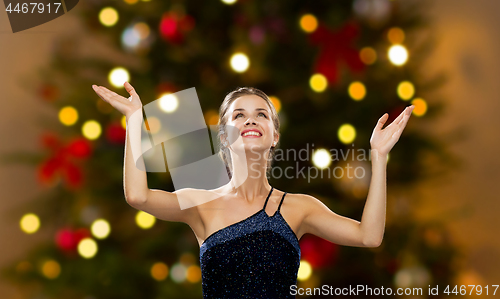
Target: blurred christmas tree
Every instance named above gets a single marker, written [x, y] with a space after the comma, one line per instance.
[332, 68]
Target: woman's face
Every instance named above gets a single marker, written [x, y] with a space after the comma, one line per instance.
[251, 115]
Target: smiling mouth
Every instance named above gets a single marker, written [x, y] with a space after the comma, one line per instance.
[252, 134]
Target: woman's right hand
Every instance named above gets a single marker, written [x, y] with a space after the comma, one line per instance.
[126, 106]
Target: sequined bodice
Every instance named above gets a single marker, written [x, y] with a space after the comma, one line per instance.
[257, 257]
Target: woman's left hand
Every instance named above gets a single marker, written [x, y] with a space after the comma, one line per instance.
[382, 141]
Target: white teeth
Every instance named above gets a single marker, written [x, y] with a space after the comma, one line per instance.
[252, 133]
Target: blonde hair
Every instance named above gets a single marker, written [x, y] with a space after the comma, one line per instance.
[224, 153]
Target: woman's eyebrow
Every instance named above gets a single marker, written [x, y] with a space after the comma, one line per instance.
[241, 109]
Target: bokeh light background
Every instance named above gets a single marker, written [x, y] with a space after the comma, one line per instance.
[467, 49]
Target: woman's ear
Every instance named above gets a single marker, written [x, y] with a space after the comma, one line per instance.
[223, 140]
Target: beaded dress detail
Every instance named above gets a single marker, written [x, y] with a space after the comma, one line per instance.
[257, 257]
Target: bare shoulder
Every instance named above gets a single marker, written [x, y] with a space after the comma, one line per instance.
[303, 202]
[201, 206]
[296, 208]
[190, 194]
[191, 199]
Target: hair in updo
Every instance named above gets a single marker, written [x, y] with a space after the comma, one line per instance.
[228, 100]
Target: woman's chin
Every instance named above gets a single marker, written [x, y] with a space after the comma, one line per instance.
[250, 148]
[256, 148]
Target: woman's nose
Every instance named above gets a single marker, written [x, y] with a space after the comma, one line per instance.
[250, 121]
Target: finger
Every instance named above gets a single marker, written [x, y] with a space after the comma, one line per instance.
[109, 96]
[395, 127]
[112, 96]
[98, 92]
[402, 124]
[407, 115]
[406, 118]
[130, 89]
[398, 119]
[108, 93]
[381, 121]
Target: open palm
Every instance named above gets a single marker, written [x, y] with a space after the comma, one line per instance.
[384, 140]
[120, 103]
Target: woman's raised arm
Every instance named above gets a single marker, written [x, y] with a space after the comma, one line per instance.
[161, 204]
[319, 220]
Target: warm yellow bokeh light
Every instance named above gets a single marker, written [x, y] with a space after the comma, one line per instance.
[212, 117]
[144, 220]
[228, 2]
[124, 122]
[406, 90]
[276, 103]
[318, 82]
[193, 274]
[396, 35]
[420, 106]
[51, 269]
[159, 271]
[131, 1]
[118, 76]
[91, 129]
[346, 133]
[30, 223]
[305, 270]
[168, 103]
[87, 248]
[68, 116]
[368, 55]
[308, 23]
[100, 229]
[398, 54]
[357, 90]
[321, 158]
[108, 16]
[239, 62]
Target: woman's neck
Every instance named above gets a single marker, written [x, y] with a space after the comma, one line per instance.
[249, 178]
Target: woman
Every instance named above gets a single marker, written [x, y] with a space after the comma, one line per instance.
[249, 236]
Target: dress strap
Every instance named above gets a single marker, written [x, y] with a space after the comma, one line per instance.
[282, 200]
[272, 188]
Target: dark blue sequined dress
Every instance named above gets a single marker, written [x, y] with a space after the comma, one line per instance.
[257, 257]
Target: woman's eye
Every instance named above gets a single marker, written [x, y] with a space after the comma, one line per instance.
[237, 115]
[263, 114]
